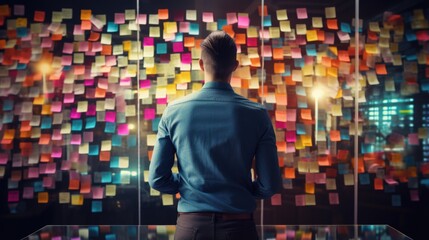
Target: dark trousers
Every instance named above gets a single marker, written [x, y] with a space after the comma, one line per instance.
[214, 227]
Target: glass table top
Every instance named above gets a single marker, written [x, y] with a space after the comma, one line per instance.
[266, 232]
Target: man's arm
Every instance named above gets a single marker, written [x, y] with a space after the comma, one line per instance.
[160, 176]
[268, 181]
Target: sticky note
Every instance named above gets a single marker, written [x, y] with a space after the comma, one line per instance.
[301, 13]
[281, 14]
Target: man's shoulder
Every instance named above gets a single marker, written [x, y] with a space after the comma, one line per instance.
[183, 99]
[250, 104]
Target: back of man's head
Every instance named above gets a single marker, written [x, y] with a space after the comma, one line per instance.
[219, 53]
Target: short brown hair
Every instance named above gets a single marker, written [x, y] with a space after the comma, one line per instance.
[219, 54]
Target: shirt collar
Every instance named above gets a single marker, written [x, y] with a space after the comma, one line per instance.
[217, 85]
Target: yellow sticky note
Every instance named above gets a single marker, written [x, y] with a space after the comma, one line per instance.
[130, 14]
[274, 32]
[285, 26]
[301, 29]
[85, 14]
[151, 139]
[77, 199]
[320, 70]
[312, 35]
[110, 190]
[64, 197]
[154, 32]
[191, 15]
[167, 200]
[82, 106]
[317, 22]
[307, 70]
[84, 148]
[348, 179]
[330, 12]
[252, 32]
[170, 27]
[281, 14]
[123, 162]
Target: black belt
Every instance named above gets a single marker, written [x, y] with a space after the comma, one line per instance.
[222, 216]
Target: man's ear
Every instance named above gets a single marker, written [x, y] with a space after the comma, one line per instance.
[201, 64]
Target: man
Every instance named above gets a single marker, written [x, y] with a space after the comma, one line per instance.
[216, 134]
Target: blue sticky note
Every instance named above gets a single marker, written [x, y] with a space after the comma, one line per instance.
[161, 48]
[110, 127]
[21, 32]
[344, 133]
[120, 117]
[267, 21]
[106, 177]
[38, 186]
[114, 162]
[409, 160]
[396, 200]
[155, 123]
[112, 27]
[7, 105]
[116, 179]
[298, 62]
[300, 90]
[410, 36]
[424, 85]
[93, 150]
[343, 168]
[287, 71]
[367, 148]
[46, 123]
[132, 141]
[411, 57]
[364, 178]
[96, 207]
[389, 188]
[132, 231]
[11, 184]
[93, 231]
[90, 122]
[425, 182]
[300, 129]
[345, 27]
[67, 68]
[277, 42]
[178, 37]
[194, 29]
[221, 23]
[110, 236]
[302, 102]
[76, 125]
[311, 49]
[347, 114]
[116, 141]
[21, 66]
[7, 117]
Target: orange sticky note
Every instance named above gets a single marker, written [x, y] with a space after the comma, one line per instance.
[45, 139]
[162, 14]
[45, 157]
[43, 197]
[281, 99]
[309, 188]
[289, 173]
[104, 156]
[106, 49]
[85, 14]
[380, 69]
[57, 37]
[378, 184]
[240, 38]
[85, 25]
[335, 135]
[324, 160]
[189, 41]
[306, 114]
[281, 115]
[74, 184]
[265, 10]
[332, 24]
[279, 67]
[94, 36]
[278, 54]
[281, 146]
[9, 134]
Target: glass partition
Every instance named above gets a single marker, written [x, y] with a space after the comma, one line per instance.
[83, 85]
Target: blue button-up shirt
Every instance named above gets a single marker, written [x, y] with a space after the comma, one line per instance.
[216, 134]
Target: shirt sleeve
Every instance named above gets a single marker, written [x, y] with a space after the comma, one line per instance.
[161, 177]
[268, 179]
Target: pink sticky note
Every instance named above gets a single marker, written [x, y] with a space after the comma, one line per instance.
[243, 21]
[96, 47]
[145, 83]
[68, 48]
[161, 101]
[296, 52]
[252, 42]
[13, 196]
[57, 152]
[92, 110]
[300, 200]
[207, 17]
[68, 98]
[320, 178]
[83, 46]
[97, 192]
[231, 18]
[177, 47]
[329, 38]
[414, 195]
[74, 156]
[267, 52]
[413, 139]
[46, 43]
[184, 27]
[111, 61]
[333, 199]
[301, 13]
[110, 116]
[148, 41]
[28, 193]
[51, 168]
[291, 115]
[142, 19]
[123, 129]
[149, 114]
[291, 136]
[265, 34]
[3, 158]
[186, 58]
[125, 81]
[33, 172]
[276, 200]
[88, 137]
[77, 30]
[66, 165]
[56, 106]
[290, 148]
[74, 114]
[56, 134]
[280, 125]
[76, 139]
[48, 182]
[119, 18]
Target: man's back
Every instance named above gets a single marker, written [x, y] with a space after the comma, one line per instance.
[216, 134]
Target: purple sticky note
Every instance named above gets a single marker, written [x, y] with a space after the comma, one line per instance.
[66, 165]
[51, 168]
[3, 158]
[13, 196]
[48, 182]
[33, 172]
[88, 137]
[19, 10]
[92, 110]
[333, 199]
[28, 193]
